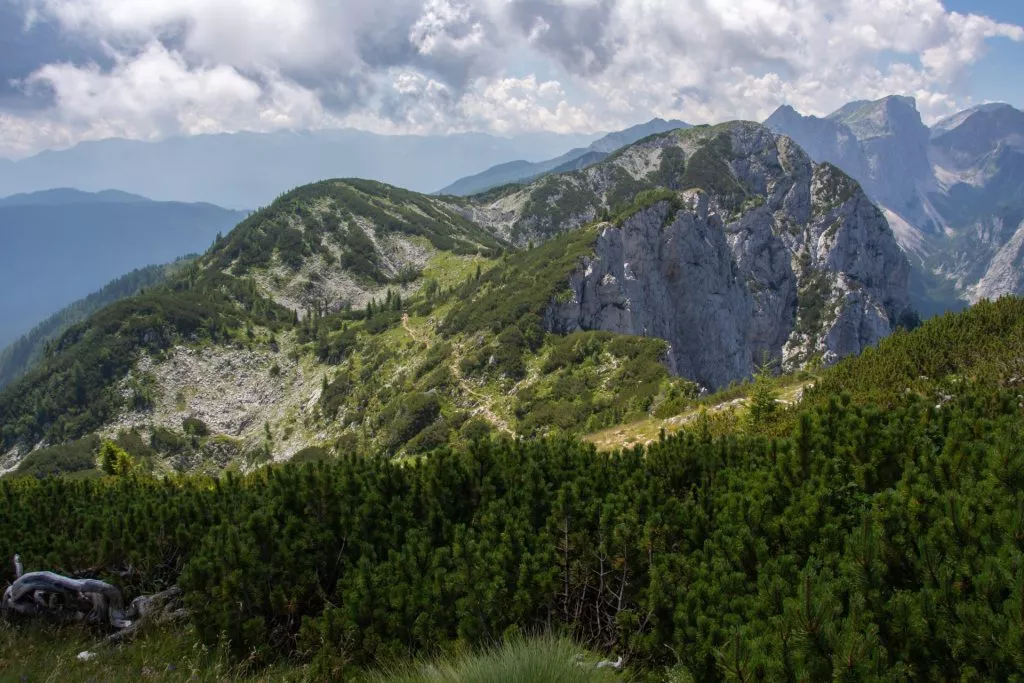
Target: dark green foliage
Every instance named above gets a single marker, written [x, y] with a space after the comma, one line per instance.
[335, 394]
[645, 200]
[407, 416]
[671, 170]
[193, 426]
[836, 189]
[576, 396]
[383, 321]
[476, 429]
[812, 300]
[166, 442]
[531, 327]
[983, 344]
[557, 204]
[360, 256]
[624, 188]
[330, 344]
[708, 169]
[524, 283]
[310, 454]
[436, 355]
[431, 438]
[75, 456]
[870, 542]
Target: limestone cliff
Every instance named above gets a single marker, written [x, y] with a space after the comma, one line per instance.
[807, 268]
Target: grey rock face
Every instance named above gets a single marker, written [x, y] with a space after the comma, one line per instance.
[883, 144]
[955, 191]
[814, 271]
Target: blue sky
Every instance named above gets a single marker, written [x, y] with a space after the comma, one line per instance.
[74, 70]
[1000, 75]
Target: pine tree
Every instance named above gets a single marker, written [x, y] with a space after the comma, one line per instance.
[114, 460]
[762, 403]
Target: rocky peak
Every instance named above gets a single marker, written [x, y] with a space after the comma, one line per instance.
[890, 116]
[804, 267]
[982, 131]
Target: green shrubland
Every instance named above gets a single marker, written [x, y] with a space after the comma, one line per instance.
[870, 533]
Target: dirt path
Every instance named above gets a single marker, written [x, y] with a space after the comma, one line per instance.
[648, 430]
[485, 403]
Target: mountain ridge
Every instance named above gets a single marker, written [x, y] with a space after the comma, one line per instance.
[246, 170]
[952, 192]
[505, 174]
[63, 196]
[353, 312]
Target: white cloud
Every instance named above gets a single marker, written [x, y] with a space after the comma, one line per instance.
[188, 66]
[155, 93]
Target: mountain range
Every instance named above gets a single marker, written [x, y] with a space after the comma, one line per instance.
[60, 245]
[953, 193]
[575, 159]
[357, 315]
[248, 170]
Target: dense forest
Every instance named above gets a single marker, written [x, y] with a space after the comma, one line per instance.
[874, 531]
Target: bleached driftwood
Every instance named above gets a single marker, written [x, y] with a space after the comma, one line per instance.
[69, 599]
[159, 608]
[46, 593]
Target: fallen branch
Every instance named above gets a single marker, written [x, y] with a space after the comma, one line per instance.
[69, 599]
[46, 593]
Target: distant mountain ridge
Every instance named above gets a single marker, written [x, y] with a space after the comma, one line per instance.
[953, 193]
[57, 246]
[248, 170]
[573, 160]
[66, 196]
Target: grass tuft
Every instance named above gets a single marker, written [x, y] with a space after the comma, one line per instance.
[518, 660]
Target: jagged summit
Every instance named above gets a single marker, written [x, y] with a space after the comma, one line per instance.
[753, 251]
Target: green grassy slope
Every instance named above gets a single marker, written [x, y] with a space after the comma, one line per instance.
[443, 352]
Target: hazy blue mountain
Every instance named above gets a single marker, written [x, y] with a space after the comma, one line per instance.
[581, 162]
[953, 194]
[67, 195]
[22, 354]
[57, 247]
[247, 170]
[523, 171]
[512, 172]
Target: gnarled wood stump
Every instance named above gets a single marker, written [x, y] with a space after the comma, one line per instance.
[67, 599]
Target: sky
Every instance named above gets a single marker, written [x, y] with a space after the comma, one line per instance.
[75, 70]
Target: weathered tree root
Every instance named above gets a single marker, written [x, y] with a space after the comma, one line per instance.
[66, 599]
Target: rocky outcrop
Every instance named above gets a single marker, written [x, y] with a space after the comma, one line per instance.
[953, 193]
[810, 269]
[1005, 272]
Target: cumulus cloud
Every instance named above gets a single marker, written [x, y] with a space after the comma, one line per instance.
[192, 66]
